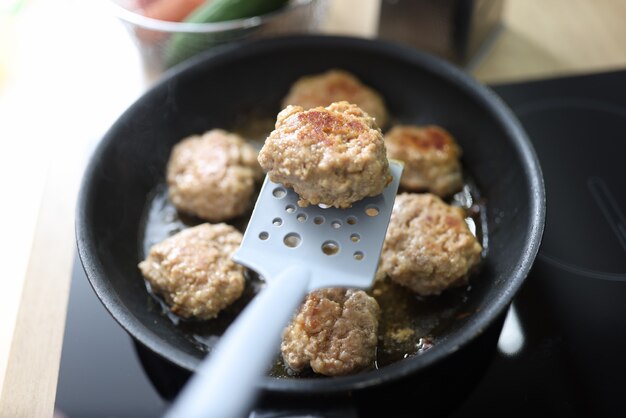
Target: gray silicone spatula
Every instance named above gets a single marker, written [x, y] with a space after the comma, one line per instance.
[296, 250]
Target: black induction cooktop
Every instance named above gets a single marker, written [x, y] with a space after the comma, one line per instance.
[562, 351]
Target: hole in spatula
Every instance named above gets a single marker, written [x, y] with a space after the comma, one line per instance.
[292, 240]
[330, 248]
[372, 211]
[279, 192]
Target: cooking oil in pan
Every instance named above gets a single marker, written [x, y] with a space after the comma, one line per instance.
[409, 324]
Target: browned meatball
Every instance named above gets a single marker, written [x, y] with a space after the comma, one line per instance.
[213, 175]
[334, 156]
[193, 270]
[431, 158]
[428, 246]
[335, 86]
[335, 333]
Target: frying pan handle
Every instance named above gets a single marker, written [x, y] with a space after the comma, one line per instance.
[225, 384]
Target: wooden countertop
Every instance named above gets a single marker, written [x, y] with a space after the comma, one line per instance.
[68, 69]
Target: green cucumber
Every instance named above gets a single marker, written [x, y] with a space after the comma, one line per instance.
[184, 45]
[221, 10]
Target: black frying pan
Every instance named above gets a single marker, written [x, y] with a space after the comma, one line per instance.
[220, 88]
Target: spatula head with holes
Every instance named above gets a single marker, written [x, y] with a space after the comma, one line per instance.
[340, 247]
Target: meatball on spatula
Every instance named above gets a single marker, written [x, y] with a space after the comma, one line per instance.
[296, 250]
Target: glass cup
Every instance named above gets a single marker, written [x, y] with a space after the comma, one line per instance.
[163, 44]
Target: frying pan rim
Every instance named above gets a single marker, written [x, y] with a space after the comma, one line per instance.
[475, 325]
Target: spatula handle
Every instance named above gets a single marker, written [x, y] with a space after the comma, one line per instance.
[225, 385]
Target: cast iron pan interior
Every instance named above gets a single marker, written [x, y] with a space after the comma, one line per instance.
[212, 90]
